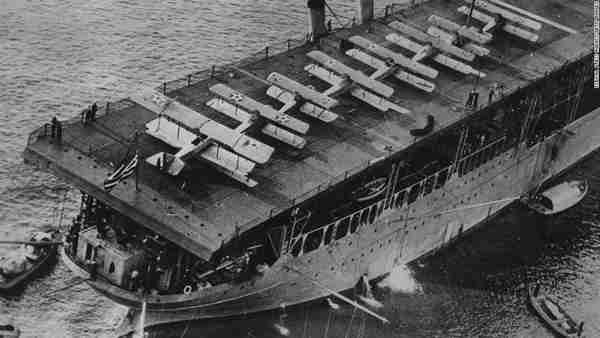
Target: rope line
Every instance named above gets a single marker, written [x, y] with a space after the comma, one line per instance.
[328, 323]
[350, 324]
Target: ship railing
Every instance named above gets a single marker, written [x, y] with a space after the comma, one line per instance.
[309, 193]
[104, 107]
[341, 227]
[337, 24]
[413, 192]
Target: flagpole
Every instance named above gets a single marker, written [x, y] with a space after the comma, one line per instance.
[137, 170]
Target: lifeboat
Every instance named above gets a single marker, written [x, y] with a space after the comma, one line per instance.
[558, 198]
[370, 190]
[554, 315]
[9, 331]
[27, 262]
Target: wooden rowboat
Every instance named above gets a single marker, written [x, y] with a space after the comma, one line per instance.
[8, 331]
[555, 316]
[47, 252]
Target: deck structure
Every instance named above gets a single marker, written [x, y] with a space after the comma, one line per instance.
[201, 209]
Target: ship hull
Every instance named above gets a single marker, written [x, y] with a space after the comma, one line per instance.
[373, 250]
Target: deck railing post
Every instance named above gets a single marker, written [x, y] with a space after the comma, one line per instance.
[267, 52]
[189, 80]
[212, 72]
[164, 88]
[288, 44]
[107, 107]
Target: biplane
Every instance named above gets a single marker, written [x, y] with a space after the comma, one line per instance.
[228, 150]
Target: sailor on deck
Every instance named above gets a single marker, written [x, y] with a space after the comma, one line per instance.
[93, 111]
[473, 99]
[56, 129]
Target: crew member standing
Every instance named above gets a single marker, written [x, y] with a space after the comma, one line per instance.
[93, 111]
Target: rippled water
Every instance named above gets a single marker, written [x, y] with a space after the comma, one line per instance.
[58, 56]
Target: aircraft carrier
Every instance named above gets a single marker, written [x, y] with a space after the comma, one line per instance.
[311, 168]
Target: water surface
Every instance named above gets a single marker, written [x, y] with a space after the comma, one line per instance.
[56, 57]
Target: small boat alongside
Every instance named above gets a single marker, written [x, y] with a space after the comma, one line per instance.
[19, 265]
[558, 198]
[9, 331]
[553, 314]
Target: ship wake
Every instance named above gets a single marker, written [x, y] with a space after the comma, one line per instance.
[400, 279]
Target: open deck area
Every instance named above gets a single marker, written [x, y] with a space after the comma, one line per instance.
[202, 208]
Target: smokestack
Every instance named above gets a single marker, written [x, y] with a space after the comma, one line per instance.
[365, 11]
[317, 18]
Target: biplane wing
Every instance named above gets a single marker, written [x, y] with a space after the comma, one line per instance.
[246, 119]
[190, 144]
[202, 125]
[307, 93]
[355, 75]
[266, 111]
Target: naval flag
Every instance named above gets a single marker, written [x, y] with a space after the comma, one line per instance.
[124, 171]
